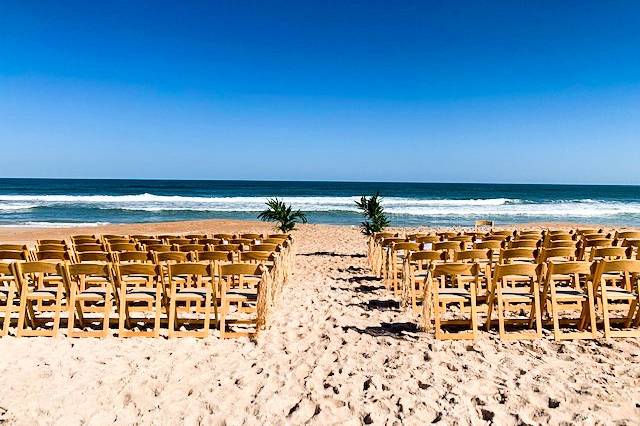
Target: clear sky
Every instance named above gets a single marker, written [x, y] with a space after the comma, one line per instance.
[478, 91]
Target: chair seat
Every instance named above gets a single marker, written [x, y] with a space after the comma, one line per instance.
[569, 294]
[240, 295]
[141, 293]
[453, 294]
[191, 294]
[92, 294]
[617, 293]
[515, 296]
[43, 293]
[52, 278]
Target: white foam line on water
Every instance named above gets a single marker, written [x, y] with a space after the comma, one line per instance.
[54, 225]
[394, 205]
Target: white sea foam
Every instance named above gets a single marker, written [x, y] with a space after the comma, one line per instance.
[54, 225]
[583, 208]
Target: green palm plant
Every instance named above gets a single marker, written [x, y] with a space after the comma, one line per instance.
[375, 218]
[284, 216]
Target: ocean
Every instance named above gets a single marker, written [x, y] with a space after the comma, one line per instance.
[82, 202]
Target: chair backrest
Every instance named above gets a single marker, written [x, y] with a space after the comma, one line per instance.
[53, 255]
[453, 269]
[499, 238]
[427, 239]
[191, 247]
[627, 268]
[51, 247]
[138, 269]
[117, 247]
[518, 254]
[228, 247]
[251, 236]
[257, 256]
[77, 273]
[445, 235]
[224, 236]
[178, 241]
[134, 256]
[22, 271]
[194, 237]
[447, 245]
[483, 222]
[240, 269]
[210, 241]
[608, 253]
[160, 248]
[13, 247]
[217, 256]
[405, 246]
[558, 253]
[473, 255]
[194, 272]
[562, 243]
[150, 241]
[264, 247]
[94, 256]
[487, 245]
[523, 244]
[50, 241]
[462, 238]
[170, 257]
[88, 247]
[5, 269]
[13, 255]
[555, 268]
[530, 270]
[245, 241]
[284, 243]
[427, 255]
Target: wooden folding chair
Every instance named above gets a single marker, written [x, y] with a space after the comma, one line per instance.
[187, 285]
[8, 296]
[34, 294]
[90, 287]
[524, 290]
[454, 284]
[621, 292]
[147, 295]
[567, 284]
[483, 224]
[244, 286]
[416, 269]
[397, 253]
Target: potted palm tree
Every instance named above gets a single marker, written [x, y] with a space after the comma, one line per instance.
[375, 219]
[282, 215]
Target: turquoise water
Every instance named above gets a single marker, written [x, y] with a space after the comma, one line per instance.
[71, 202]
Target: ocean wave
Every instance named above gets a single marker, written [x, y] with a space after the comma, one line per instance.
[472, 207]
[16, 207]
[32, 224]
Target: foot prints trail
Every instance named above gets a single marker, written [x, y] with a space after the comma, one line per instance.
[339, 350]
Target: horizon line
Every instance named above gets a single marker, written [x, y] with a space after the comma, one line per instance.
[323, 181]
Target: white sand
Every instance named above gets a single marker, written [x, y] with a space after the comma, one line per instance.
[338, 351]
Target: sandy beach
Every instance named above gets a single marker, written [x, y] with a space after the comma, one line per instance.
[338, 351]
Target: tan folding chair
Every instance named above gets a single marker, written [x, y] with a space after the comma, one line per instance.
[619, 293]
[417, 270]
[8, 296]
[34, 294]
[483, 223]
[526, 292]
[244, 286]
[450, 288]
[147, 296]
[90, 287]
[188, 286]
[567, 284]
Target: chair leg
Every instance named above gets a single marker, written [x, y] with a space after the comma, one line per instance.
[172, 317]
[158, 311]
[107, 313]
[500, 307]
[605, 315]
[122, 315]
[538, 313]
[207, 314]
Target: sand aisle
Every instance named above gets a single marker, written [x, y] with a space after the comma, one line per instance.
[338, 351]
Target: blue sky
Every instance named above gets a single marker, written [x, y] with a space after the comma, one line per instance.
[514, 91]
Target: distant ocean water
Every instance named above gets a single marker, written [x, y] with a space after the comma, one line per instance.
[75, 202]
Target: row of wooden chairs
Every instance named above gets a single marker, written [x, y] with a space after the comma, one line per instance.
[409, 265]
[196, 288]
